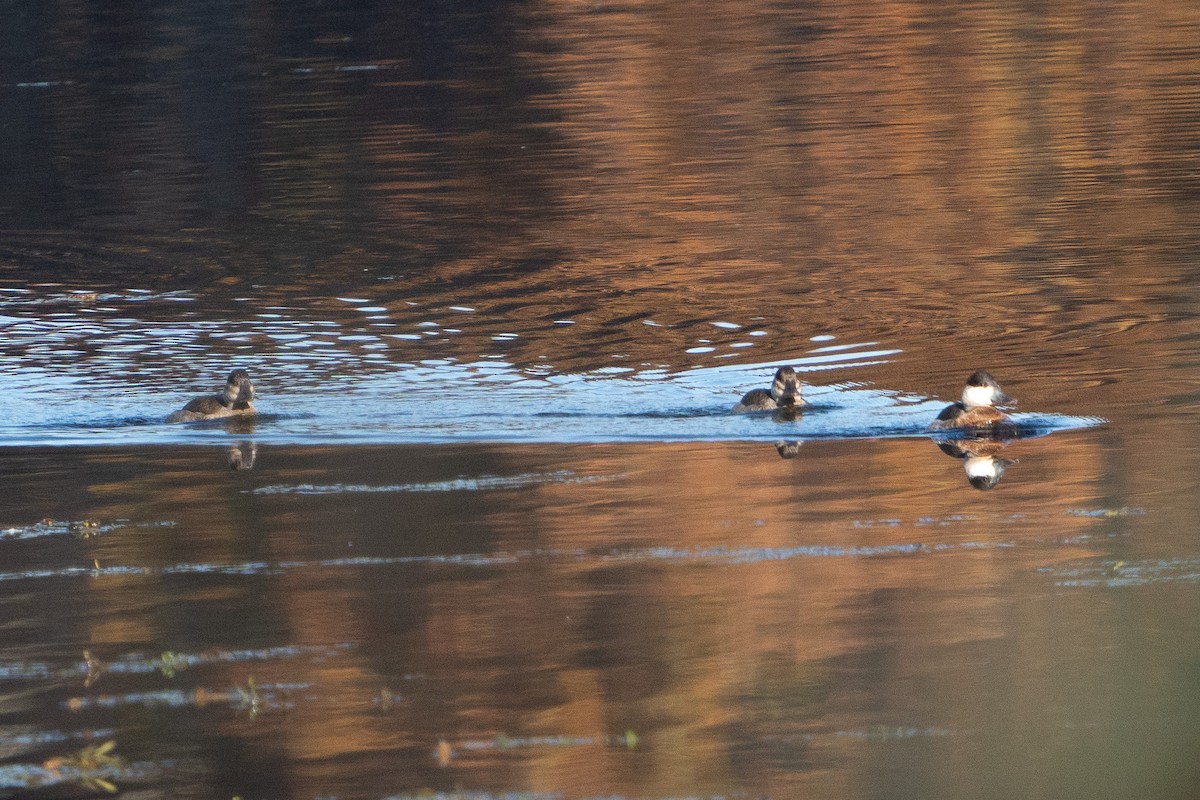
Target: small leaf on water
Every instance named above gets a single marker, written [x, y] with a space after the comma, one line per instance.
[443, 753]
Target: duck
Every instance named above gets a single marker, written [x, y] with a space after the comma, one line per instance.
[977, 408]
[784, 394]
[235, 400]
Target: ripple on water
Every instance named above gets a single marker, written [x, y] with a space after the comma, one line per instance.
[296, 356]
[1110, 574]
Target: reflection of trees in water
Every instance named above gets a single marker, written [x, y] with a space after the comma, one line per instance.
[588, 633]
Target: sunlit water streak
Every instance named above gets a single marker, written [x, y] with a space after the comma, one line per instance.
[717, 554]
[140, 664]
[31, 776]
[1122, 574]
[482, 483]
[82, 529]
[267, 697]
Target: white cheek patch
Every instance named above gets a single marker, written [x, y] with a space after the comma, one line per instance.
[977, 396]
[981, 467]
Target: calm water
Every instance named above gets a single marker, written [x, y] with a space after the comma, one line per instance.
[499, 271]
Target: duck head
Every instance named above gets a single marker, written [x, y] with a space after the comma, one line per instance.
[785, 389]
[981, 389]
[238, 388]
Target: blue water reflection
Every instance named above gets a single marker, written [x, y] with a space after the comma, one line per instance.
[96, 371]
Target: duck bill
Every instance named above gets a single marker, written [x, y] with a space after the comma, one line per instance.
[789, 401]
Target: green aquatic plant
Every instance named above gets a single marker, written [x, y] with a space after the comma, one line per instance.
[629, 740]
[91, 767]
[85, 529]
[251, 699]
[386, 698]
[170, 663]
[94, 669]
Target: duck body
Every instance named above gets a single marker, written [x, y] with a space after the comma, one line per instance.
[235, 401]
[784, 394]
[976, 409]
[756, 400]
[957, 415]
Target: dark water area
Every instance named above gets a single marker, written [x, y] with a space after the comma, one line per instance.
[499, 271]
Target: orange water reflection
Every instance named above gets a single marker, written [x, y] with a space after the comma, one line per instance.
[776, 625]
[980, 186]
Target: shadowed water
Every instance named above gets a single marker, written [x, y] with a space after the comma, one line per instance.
[499, 272]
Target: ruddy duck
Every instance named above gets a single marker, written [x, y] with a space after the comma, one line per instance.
[234, 401]
[784, 394]
[976, 409]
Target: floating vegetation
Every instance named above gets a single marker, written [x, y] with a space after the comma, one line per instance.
[1107, 513]
[1119, 573]
[252, 701]
[87, 529]
[253, 697]
[168, 664]
[993, 519]
[80, 529]
[96, 768]
[443, 753]
[386, 699]
[92, 767]
[94, 667]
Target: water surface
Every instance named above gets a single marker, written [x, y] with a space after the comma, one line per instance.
[499, 270]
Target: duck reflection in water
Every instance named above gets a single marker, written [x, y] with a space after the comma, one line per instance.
[784, 396]
[236, 400]
[977, 408]
[242, 455]
[787, 448]
[981, 459]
